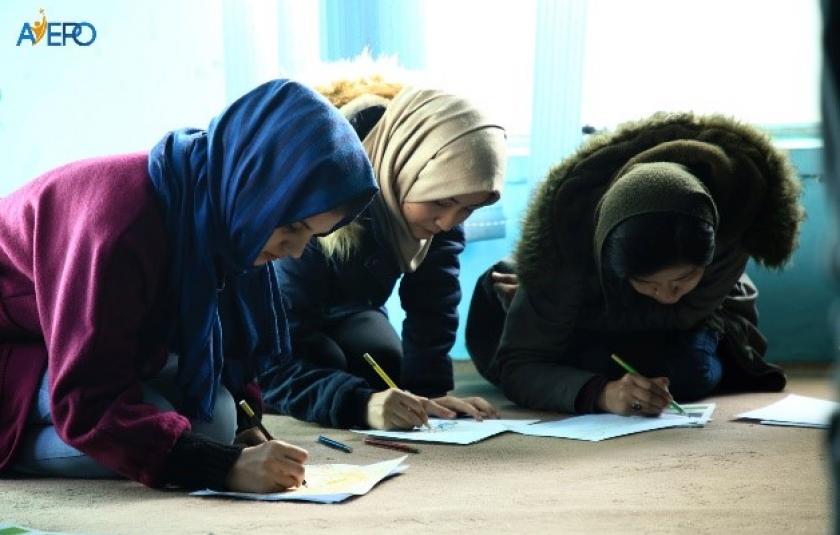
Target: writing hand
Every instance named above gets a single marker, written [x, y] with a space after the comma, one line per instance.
[269, 467]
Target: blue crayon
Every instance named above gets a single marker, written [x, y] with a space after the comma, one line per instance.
[334, 444]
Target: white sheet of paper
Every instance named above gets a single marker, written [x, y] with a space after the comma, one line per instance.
[699, 414]
[326, 483]
[597, 427]
[15, 528]
[797, 424]
[592, 427]
[794, 410]
[463, 431]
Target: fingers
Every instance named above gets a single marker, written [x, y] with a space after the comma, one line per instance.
[287, 463]
[658, 386]
[642, 395]
[292, 452]
[504, 289]
[487, 409]
[287, 474]
[442, 407]
[664, 383]
[250, 437]
[414, 405]
[504, 284]
[269, 467]
[401, 421]
[476, 407]
[504, 278]
[394, 408]
[403, 410]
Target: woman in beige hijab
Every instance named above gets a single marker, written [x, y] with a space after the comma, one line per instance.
[436, 158]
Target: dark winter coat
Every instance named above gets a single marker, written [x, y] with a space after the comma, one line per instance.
[756, 196]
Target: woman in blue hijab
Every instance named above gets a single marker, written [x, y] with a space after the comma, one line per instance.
[163, 303]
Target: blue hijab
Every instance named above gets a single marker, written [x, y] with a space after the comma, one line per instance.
[277, 155]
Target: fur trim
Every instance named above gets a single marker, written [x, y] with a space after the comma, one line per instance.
[352, 94]
[362, 103]
[342, 81]
[564, 203]
[340, 92]
[341, 244]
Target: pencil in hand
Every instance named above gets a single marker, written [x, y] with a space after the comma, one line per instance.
[379, 371]
[249, 412]
[629, 369]
[384, 376]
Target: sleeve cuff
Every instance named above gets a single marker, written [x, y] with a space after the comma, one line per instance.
[356, 411]
[196, 462]
[586, 400]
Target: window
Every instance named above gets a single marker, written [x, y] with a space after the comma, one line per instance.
[758, 60]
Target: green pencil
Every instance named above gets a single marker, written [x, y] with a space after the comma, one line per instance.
[629, 369]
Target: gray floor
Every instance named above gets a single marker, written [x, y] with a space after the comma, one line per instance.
[730, 477]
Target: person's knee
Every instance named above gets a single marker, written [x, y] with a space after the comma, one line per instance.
[387, 353]
[43, 453]
[390, 359]
[697, 385]
[698, 371]
[153, 397]
[222, 428]
[320, 350]
[371, 332]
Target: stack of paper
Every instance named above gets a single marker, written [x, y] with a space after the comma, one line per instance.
[465, 431]
[327, 483]
[796, 411]
[592, 427]
[597, 427]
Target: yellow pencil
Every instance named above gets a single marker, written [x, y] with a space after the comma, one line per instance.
[384, 376]
[379, 371]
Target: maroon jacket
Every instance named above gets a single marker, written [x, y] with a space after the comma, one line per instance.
[82, 289]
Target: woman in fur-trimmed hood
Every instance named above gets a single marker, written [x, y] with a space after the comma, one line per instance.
[636, 245]
[436, 158]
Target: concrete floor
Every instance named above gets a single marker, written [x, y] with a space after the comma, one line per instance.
[729, 477]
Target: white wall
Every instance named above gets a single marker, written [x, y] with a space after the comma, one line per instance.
[758, 60]
[155, 66]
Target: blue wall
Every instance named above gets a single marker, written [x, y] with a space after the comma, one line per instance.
[388, 27]
[794, 303]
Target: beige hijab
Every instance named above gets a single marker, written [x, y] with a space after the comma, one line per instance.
[430, 146]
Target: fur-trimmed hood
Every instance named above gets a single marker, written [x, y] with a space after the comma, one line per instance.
[753, 185]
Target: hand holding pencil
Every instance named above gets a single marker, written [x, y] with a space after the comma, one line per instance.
[635, 393]
[256, 422]
[388, 410]
[272, 466]
[397, 409]
[268, 465]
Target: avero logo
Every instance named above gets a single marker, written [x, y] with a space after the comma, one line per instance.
[58, 33]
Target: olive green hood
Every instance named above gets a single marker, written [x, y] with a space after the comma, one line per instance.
[646, 188]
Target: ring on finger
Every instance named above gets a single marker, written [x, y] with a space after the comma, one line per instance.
[636, 406]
